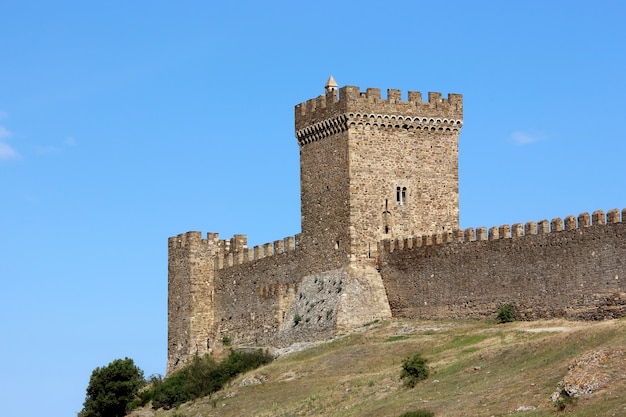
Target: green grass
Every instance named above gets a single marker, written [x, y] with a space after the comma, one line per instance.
[479, 368]
[396, 338]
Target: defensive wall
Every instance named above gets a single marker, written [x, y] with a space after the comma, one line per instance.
[575, 269]
[373, 169]
[256, 297]
[223, 293]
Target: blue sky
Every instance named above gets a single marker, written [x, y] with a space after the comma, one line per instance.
[125, 122]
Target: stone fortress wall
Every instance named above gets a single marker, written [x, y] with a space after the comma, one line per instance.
[223, 293]
[374, 171]
[569, 269]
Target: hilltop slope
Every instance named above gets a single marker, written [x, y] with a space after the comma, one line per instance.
[479, 368]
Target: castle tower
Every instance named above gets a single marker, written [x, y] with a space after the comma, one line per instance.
[371, 168]
[374, 168]
[191, 274]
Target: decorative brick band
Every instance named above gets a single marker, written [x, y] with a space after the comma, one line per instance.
[405, 122]
[322, 129]
[341, 123]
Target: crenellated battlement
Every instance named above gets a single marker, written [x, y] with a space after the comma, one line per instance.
[233, 251]
[337, 110]
[542, 227]
[243, 255]
[191, 239]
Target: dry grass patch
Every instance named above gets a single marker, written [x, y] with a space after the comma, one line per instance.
[478, 369]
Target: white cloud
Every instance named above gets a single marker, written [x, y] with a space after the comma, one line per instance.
[523, 138]
[7, 152]
[4, 133]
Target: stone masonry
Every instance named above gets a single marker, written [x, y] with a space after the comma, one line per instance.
[573, 269]
[380, 238]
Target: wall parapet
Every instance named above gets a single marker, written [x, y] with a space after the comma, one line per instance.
[506, 231]
[349, 100]
[192, 238]
[243, 254]
[233, 251]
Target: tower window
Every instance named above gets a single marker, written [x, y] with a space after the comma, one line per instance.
[401, 195]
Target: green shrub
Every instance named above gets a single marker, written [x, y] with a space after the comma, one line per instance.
[297, 319]
[146, 394]
[418, 413]
[414, 369]
[204, 376]
[171, 392]
[506, 313]
[227, 341]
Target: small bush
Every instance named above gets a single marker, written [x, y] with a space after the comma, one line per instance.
[146, 394]
[506, 313]
[297, 319]
[203, 376]
[227, 341]
[418, 413]
[414, 369]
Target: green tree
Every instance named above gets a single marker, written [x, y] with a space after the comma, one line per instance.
[111, 388]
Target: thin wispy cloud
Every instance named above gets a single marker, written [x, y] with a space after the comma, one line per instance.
[7, 152]
[4, 133]
[524, 138]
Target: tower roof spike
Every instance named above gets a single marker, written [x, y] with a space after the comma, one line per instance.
[331, 84]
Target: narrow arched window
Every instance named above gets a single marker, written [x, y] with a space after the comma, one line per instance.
[401, 196]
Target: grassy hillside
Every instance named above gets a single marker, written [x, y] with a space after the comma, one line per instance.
[478, 368]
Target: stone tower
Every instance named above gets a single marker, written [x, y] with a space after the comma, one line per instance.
[374, 168]
[190, 312]
[370, 169]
